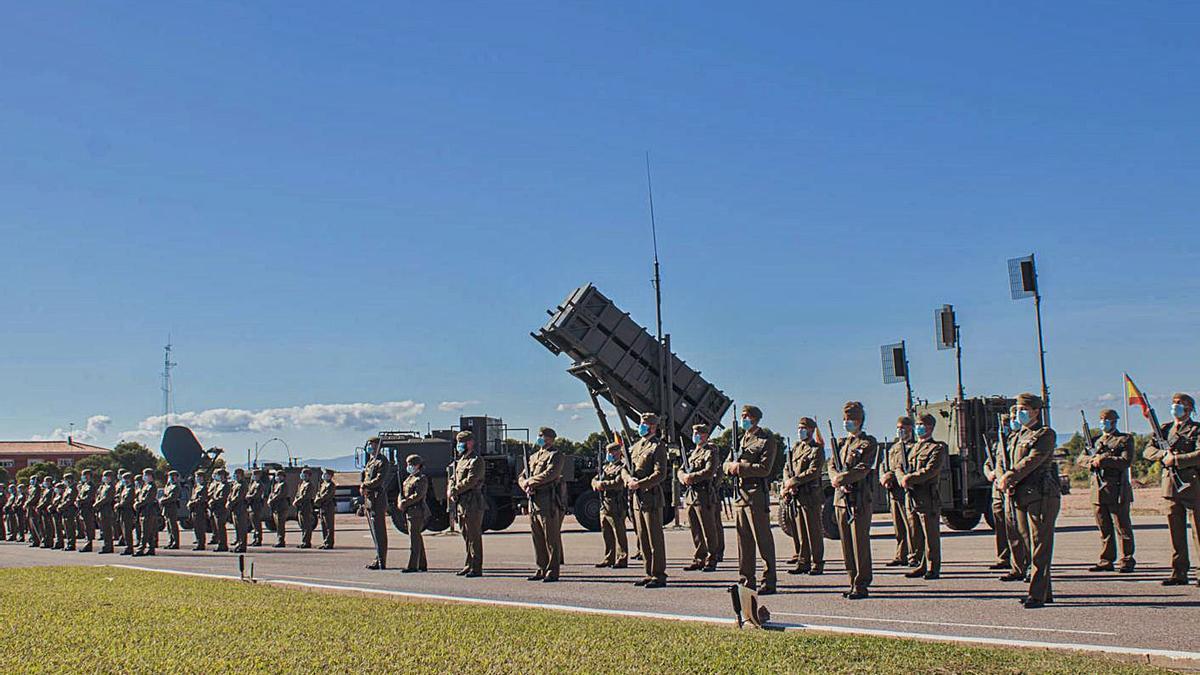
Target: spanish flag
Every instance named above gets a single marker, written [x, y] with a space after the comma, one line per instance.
[1134, 396]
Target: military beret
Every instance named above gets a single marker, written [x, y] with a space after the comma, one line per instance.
[85, 472]
[109, 472]
[547, 431]
[222, 470]
[126, 472]
[200, 474]
[1029, 400]
[239, 471]
[613, 446]
[650, 418]
[853, 410]
[927, 419]
[329, 471]
[1012, 410]
[1109, 413]
[414, 459]
[173, 474]
[464, 436]
[1185, 399]
[752, 411]
[69, 475]
[904, 420]
[700, 428]
[373, 439]
[807, 422]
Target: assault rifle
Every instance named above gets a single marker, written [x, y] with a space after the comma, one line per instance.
[835, 456]
[906, 467]
[1165, 446]
[451, 500]
[1089, 448]
[788, 473]
[1002, 464]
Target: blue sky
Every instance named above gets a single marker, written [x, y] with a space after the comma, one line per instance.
[376, 205]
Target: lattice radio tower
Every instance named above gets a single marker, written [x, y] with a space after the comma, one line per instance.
[168, 395]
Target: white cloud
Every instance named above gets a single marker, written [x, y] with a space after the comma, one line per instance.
[354, 416]
[97, 425]
[564, 407]
[576, 418]
[455, 406]
[1104, 398]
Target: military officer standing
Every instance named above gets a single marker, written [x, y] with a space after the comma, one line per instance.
[279, 502]
[32, 497]
[649, 459]
[1016, 524]
[303, 503]
[852, 499]
[373, 489]
[925, 462]
[614, 503]
[169, 504]
[701, 498]
[68, 509]
[6, 526]
[198, 506]
[465, 489]
[50, 531]
[218, 507]
[991, 471]
[104, 505]
[411, 503]
[256, 501]
[126, 513]
[893, 463]
[752, 472]
[146, 505]
[1034, 481]
[1112, 493]
[1180, 482]
[803, 488]
[85, 502]
[542, 482]
[326, 505]
[60, 489]
[239, 509]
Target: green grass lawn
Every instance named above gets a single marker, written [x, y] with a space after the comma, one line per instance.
[112, 620]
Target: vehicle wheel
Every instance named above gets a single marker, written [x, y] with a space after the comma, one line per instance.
[438, 520]
[398, 521]
[669, 515]
[987, 517]
[505, 515]
[587, 510]
[828, 521]
[961, 521]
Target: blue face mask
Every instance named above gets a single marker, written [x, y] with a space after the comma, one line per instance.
[697, 439]
[610, 457]
[540, 442]
[1108, 425]
[920, 429]
[851, 426]
[1014, 425]
[644, 429]
[1178, 411]
[802, 434]
[462, 447]
[1023, 417]
[747, 423]
[411, 469]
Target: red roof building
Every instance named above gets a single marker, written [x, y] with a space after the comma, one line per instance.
[16, 455]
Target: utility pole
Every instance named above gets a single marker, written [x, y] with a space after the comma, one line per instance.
[168, 399]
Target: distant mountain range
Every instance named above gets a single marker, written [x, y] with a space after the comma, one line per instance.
[345, 463]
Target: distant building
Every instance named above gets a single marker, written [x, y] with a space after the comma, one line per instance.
[16, 455]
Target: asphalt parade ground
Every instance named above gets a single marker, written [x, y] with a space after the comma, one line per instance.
[1127, 615]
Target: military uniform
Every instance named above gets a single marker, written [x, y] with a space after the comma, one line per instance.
[279, 503]
[303, 503]
[239, 511]
[614, 505]
[256, 502]
[373, 489]
[33, 520]
[146, 505]
[926, 460]
[126, 514]
[466, 490]
[649, 459]
[7, 528]
[85, 501]
[104, 506]
[198, 506]
[906, 551]
[50, 531]
[1182, 437]
[1112, 496]
[218, 508]
[56, 515]
[411, 502]
[756, 465]
[546, 509]
[169, 503]
[326, 505]
[807, 464]
[68, 509]
[852, 502]
[1037, 496]
[703, 503]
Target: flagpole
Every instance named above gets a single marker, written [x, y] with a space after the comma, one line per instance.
[1125, 397]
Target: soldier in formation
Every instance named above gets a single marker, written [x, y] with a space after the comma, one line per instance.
[702, 498]
[542, 482]
[198, 507]
[326, 506]
[105, 506]
[239, 509]
[464, 490]
[803, 491]
[85, 501]
[169, 504]
[126, 513]
[373, 489]
[1180, 482]
[1112, 494]
[614, 507]
[412, 505]
[920, 482]
[648, 458]
[256, 502]
[752, 473]
[893, 463]
[303, 504]
[851, 476]
[145, 503]
[279, 502]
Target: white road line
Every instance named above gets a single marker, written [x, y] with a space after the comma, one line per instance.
[943, 623]
[841, 630]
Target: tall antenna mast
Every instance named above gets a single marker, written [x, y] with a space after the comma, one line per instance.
[168, 396]
[664, 401]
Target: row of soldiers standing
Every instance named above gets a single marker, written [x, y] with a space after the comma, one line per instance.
[130, 512]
